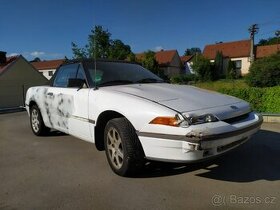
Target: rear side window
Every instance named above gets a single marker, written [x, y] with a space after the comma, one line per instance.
[65, 73]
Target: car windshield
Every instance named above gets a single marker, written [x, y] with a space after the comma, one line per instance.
[117, 73]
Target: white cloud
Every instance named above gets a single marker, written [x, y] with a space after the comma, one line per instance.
[12, 54]
[158, 48]
[37, 53]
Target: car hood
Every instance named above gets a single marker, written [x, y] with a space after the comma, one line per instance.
[182, 98]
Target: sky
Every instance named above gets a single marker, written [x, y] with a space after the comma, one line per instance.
[46, 28]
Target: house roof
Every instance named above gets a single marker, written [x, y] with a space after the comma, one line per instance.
[165, 56]
[45, 65]
[186, 58]
[264, 51]
[235, 49]
[9, 61]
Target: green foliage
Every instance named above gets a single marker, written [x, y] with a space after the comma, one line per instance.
[265, 100]
[149, 62]
[269, 41]
[265, 72]
[219, 65]
[231, 70]
[203, 68]
[192, 51]
[183, 79]
[118, 50]
[100, 45]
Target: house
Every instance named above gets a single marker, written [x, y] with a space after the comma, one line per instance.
[237, 51]
[169, 62]
[187, 62]
[267, 50]
[16, 76]
[47, 68]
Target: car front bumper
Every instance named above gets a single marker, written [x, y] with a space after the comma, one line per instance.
[195, 146]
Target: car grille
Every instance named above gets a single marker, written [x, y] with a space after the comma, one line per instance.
[236, 119]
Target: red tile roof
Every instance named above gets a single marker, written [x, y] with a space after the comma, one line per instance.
[235, 49]
[186, 58]
[44, 65]
[165, 56]
[264, 51]
[9, 61]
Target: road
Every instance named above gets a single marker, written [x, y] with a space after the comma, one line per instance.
[62, 172]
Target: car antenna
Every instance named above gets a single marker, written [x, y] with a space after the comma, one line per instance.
[94, 40]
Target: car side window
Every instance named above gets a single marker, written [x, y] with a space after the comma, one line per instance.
[64, 74]
[80, 73]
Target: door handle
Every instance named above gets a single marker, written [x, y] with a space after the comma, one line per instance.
[50, 94]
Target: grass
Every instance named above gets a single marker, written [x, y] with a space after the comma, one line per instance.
[222, 84]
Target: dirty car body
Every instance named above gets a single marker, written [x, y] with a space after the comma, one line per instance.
[174, 123]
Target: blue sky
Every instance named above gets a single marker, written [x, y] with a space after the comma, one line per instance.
[46, 28]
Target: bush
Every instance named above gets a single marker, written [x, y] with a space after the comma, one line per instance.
[203, 68]
[183, 79]
[265, 72]
[261, 99]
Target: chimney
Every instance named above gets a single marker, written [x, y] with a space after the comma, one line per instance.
[3, 58]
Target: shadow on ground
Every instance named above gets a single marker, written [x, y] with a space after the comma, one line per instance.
[258, 159]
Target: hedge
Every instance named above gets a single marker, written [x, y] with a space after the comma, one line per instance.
[266, 100]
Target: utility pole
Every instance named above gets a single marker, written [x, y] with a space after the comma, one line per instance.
[253, 30]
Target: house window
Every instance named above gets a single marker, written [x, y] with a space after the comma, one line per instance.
[50, 73]
[237, 64]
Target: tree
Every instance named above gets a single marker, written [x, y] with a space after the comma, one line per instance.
[203, 68]
[118, 50]
[192, 51]
[100, 45]
[149, 62]
[37, 59]
[269, 41]
[231, 70]
[219, 65]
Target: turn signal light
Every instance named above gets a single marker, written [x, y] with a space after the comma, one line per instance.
[170, 121]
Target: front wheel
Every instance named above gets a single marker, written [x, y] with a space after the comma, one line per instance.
[37, 124]
[123, 149]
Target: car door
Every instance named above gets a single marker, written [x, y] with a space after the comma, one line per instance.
[69, 105]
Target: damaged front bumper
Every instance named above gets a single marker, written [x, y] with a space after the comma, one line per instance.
[198, 144]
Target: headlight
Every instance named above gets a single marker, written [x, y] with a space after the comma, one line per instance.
[206, 118]
[180, 121]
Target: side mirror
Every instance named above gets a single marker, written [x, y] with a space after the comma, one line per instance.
[78, 83]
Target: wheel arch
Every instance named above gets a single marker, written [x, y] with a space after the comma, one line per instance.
[101, 122]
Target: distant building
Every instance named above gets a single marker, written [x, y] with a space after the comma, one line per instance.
[169, 61]
[47, 68]
[267, 50]
[237, 51]
[16, 76]
[187, 63]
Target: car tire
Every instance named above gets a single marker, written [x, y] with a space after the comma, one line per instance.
[123, 148]
[36, 121]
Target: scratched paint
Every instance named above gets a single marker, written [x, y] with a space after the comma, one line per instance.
[55, 109]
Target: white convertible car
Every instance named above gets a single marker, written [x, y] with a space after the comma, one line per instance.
[134, 115]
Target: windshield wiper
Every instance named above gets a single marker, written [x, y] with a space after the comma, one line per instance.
[149, 80]
[115, 82]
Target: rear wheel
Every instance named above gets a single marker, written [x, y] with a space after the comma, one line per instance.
[36, 121]
[123, 149]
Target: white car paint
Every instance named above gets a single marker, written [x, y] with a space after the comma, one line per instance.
[76, 112]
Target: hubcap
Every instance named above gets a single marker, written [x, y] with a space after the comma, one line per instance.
[115, 149]
[35, 120]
